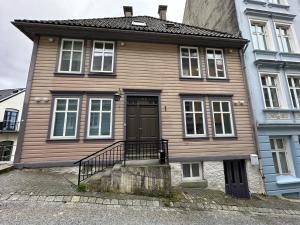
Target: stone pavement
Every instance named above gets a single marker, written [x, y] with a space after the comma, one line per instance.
[41, 186]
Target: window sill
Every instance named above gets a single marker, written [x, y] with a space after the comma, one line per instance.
[255, 2]
[191, 78]
[102, 74]
[277, 110]
[211, 79]
[225, 137]
[61, 74]
[63, 140]
[290, 54]
[265, 52]
[273, 5]
[98, 139]
[187, 138]
[287, 179]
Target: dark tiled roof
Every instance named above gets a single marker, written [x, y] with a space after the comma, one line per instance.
[125, 23]
[7, 93]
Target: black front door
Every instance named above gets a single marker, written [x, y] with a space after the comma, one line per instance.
[142, 126]
[236, 183]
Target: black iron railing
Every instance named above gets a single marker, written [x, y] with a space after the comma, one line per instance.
[121, 151]
[5, 152]
[9, 126]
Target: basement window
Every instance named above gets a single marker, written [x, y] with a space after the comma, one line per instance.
[191, 171]
[139, 23]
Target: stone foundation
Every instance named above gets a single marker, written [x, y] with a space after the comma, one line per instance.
[213, 172]
[255, 181]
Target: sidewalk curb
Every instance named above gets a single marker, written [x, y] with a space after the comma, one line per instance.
[76, 199]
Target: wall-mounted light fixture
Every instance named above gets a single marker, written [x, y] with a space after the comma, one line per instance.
[122, 43]
[37, 99]
[118, 95]
[51, 39]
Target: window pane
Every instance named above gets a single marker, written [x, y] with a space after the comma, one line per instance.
[97, 61]
[210, 54]
[67, 45]
[188, 106]
[59, 124]
[272, 143]
[297, 82]
[263, 80]
[225, 106]
[76, 61]
[199, 123]
[274, 97]
[279, 143]
[195, 170]
[298, 95]
[109, 46]
[184, 52]
[267, 99]
[275, 162]
[262, 42]
[189, 123]
[77, 45]
[216, 107]
[65, 61]
[107, 64]
[95, 105]
[185, 67]
[198, 106]
[186, 170]
[106, 105]
[71, 124]
[72, 105]
[105, 124]
[286, 44]
[94, 124]
[283, 162]
[218, 54]
[61, 104]
[194, 65]
[220, 64]
[99, 46]
[227, 123]
[293, 98]
[211, 68]
[193, 52]
[218, 124]
[255, 41]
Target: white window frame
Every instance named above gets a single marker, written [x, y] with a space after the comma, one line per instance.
[99, 136]
[287, 152]
[190, 65]
[293, 88]
[191, 178]
[278, 89]
[265, 34]
[65, 120]
[103, 54]
[221, 112]
[194, 118]
[72, 50]
[292, 36]
[216, 69]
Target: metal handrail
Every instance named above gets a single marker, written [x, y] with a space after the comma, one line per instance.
[119, 151]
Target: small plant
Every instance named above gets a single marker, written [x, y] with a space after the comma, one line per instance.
[81, 187]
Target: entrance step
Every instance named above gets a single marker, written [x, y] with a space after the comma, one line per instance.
[199, 184]
[142, 162]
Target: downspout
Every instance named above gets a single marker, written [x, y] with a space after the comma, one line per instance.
[251, 112]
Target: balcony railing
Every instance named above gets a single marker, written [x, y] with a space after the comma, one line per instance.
[9, 126]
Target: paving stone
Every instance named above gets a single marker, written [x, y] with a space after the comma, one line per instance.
[59, 198]
[24, 198]
[84, 199]
[129, 202]
[92, 200]
[67, 198]
[75, 199]
[4, 197]
[14, 197]
[50, 198]
[143, 202]
[42, 198]
[114, 202]
[33, 198]
[136, 202]
[106, 202]
[99, 201]
[122, 202]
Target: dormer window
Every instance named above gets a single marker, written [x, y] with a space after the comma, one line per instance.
[139, 23]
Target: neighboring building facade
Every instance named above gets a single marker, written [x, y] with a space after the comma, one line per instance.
[154, 83]
[11, 105]
[272, 62]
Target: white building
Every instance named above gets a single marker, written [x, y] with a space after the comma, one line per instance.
[11, 105]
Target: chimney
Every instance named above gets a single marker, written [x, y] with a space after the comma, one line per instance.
[162, 11]
[127, 11]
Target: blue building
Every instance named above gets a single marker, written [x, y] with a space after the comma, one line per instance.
[272, 65]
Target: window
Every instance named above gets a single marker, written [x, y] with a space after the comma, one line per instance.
[71, 56]
[294, 84]
[10, 120]
[280, 155]
[65, 118]
[103, 56]
[258, 32]
[100, 118]
[6, 148]
[191, 170]
[222, 118]
[189, 62]
[194, 118]
[215, 62]
[283, 38]
[279, 2]
[270, 89]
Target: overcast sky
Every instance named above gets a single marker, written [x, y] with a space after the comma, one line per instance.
[16, 48]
